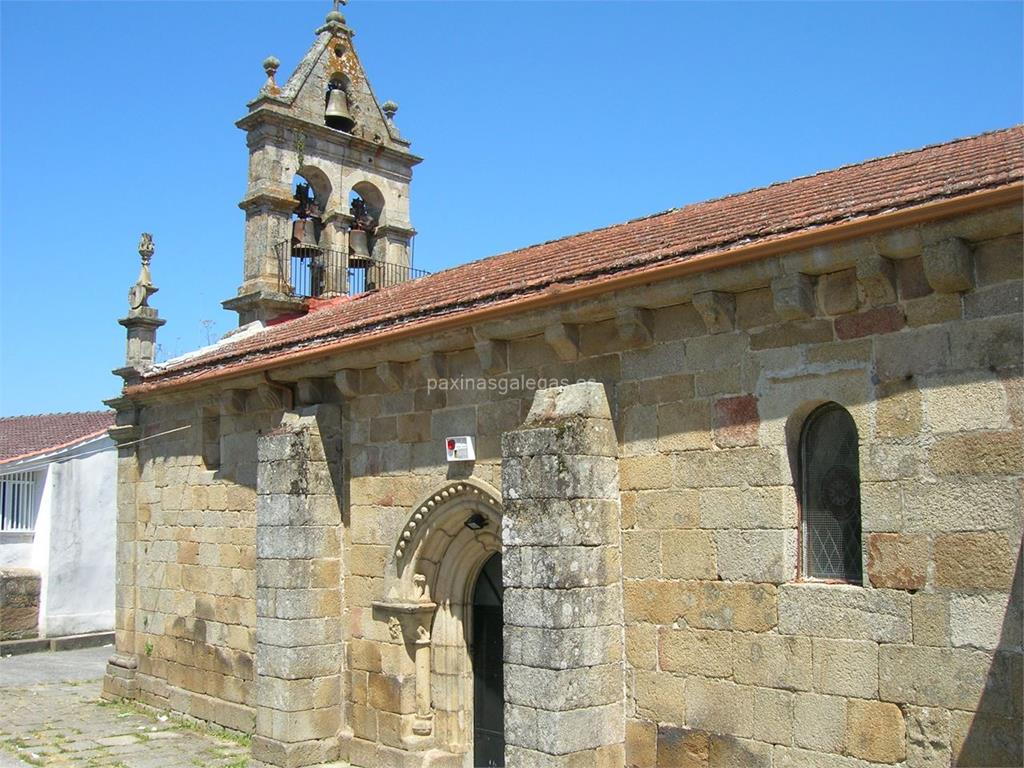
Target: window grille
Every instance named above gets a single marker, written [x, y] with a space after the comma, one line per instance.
[19, 501]
[830, 495]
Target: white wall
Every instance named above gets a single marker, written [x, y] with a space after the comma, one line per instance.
[15, 551]
[74, 544]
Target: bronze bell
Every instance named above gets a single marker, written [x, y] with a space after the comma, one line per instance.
[337, 115]
[359, 249]
[304, 236]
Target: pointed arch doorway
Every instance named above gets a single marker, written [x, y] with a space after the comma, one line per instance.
[487, 652]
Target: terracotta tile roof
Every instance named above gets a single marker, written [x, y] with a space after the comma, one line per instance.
[860, 191]
[24, 436]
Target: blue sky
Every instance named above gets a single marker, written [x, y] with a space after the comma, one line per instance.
[536, 120]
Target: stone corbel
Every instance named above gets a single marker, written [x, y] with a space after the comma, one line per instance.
[793, 296]
[634, 325]
[432, 365]
[838, 293]
[876, 277]
[947, 265]
[275, 396]
[347, 382]
[232, 402]
[899, 243]
[124, 433]
[310, 391]
[717, 310]
[565, 340]
[126, 422]
[493, 355]
[415, 618]
[390, 374]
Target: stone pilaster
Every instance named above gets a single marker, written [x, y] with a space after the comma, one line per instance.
[119, 681]
[393, 245]
[299, 649]
[564, 685]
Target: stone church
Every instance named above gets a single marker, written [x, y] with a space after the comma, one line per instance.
[736, 484]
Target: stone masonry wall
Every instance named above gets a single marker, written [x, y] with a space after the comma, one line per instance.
[299, 661]
[186, 612]
[731, 658]
[563, 583]
[19, 603]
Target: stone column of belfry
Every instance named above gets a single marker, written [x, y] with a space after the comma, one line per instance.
[564, 685]
[299, 649]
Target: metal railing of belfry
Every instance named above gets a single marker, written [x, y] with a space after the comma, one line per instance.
[313, 272]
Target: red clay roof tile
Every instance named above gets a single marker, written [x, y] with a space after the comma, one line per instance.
[859, 191]
[24, 436]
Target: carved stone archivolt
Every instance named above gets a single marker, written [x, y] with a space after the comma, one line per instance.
[437, 559]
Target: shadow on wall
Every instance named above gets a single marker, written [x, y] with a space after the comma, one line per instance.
[995, 736]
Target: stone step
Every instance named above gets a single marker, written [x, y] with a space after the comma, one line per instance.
[66, 643]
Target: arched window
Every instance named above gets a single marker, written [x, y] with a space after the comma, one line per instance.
[830, 495]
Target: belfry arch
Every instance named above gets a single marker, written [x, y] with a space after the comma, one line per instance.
[435, 563]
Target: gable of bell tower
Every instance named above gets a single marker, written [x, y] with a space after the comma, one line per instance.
[327, 203]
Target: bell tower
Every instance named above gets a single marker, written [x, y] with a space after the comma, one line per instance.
[327, 203]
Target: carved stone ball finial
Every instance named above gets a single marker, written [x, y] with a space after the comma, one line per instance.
[390, 109]
[146, 248]
[335, 13]
[270, 65]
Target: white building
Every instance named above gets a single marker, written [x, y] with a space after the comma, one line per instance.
[57, 518]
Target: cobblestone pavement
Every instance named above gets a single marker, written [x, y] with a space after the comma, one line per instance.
[51, 715]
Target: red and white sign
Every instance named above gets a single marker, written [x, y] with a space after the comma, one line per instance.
[460, 448]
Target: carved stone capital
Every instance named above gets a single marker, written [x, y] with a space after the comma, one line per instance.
[415, 618]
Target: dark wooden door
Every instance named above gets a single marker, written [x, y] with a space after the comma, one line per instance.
[488, 674]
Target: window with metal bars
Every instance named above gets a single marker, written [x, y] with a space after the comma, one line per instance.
[19, 501]
[830, 495]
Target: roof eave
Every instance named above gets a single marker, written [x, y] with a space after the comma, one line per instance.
[561, 293]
